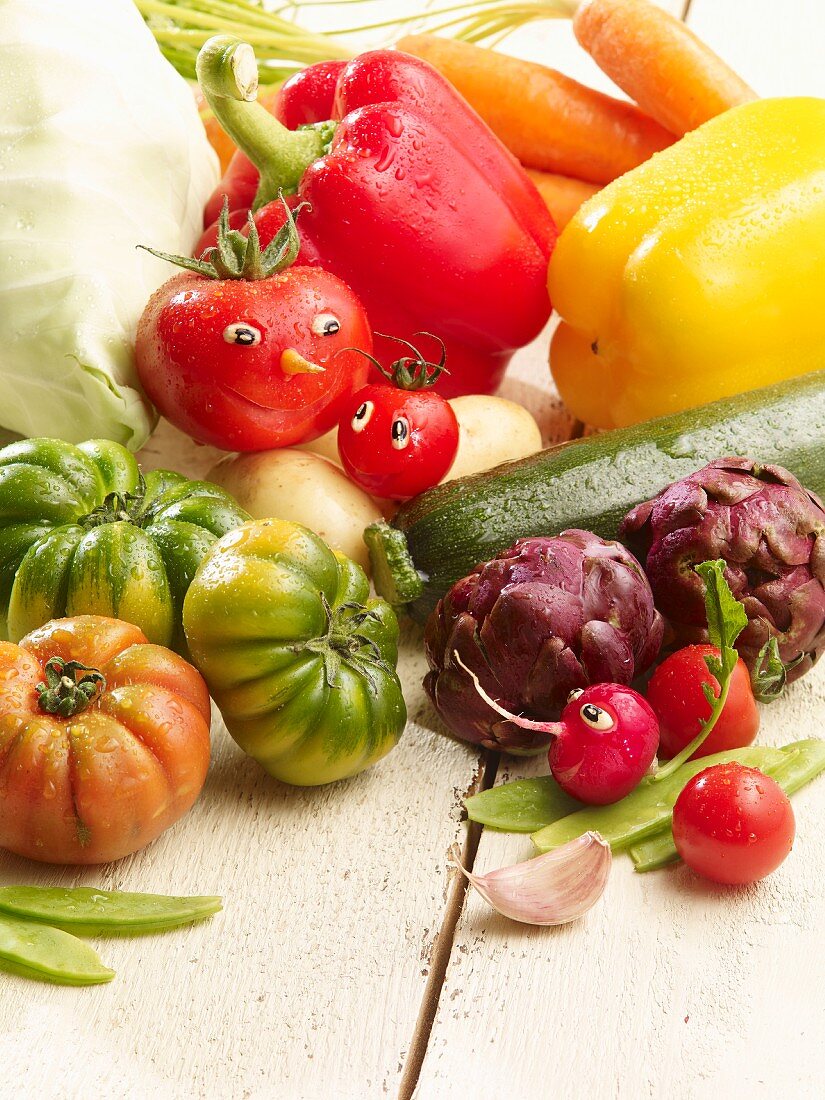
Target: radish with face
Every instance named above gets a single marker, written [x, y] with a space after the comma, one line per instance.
[603, 744]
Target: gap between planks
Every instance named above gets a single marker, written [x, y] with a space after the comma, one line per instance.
[443, 946]
[457, 891]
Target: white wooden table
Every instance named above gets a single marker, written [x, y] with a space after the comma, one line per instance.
[349, 962]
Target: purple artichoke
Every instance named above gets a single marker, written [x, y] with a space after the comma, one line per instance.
[544, 617]
[771, 533]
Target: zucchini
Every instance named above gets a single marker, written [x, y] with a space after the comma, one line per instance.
[591, 483]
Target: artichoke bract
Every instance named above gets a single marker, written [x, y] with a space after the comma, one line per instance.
[769, 530]
[544, 617]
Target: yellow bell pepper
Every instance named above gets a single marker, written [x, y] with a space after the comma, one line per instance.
[699, 274]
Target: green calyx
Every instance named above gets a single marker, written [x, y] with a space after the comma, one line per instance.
[69, 687]
[118, 508]
[410, 372]
[343, 641]
[236, 256]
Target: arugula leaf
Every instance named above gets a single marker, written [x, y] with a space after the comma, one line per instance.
[725, 615]
[726, 619]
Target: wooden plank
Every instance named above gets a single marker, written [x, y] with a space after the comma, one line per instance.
[311, 982]
[313, 974]
[670, 987]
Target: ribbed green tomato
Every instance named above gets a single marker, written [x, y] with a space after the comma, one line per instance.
[82, 532]
[299, 660]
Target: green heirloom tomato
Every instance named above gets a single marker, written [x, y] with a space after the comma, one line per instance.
[299, 660]
[83, 532]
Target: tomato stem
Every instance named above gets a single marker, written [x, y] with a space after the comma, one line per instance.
[69, 687]
[344, 641]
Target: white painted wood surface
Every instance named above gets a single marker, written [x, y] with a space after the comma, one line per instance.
[325, 966]
[671, 987]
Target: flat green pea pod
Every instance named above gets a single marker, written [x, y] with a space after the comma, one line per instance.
[297, 657]
[85, 911]
[82, 531]
[645, 810]
[801, 762]
[36, 951]
[522, 806]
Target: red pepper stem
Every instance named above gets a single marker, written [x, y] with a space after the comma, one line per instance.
[228, 77]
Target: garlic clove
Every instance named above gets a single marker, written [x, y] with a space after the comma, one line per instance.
[554, 888]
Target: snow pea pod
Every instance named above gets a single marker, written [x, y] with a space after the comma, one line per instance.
[522, 806]
[646, 810]
[86, 911]
[802, 761]
[36, 951]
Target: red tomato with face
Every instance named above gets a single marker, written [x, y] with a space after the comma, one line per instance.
[733, 824]
[396, 443]
[250, 364]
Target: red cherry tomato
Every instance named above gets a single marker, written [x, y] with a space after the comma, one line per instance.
[675, 693]
[237, 363]
[397, 442]
[733, 824]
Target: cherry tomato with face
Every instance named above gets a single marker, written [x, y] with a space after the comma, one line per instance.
[733, 824]
[397, 440]
[255, 355]
[676, 695]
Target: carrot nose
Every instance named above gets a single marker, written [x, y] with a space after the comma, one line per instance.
[292, 362]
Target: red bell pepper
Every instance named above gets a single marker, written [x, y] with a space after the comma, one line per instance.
[413, 201]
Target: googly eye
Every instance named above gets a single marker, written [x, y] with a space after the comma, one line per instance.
[325, 324]
[363, 415]
[596, 718]
[400, 433]
[574, 694]
[239, 332]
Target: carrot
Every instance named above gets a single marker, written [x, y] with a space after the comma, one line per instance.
[562, 195]
[654, 58]
[543, 117]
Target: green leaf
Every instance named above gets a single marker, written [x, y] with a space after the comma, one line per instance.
[710, 695]
[725, 614]
[769, 675]
[227, 254]
[726, 619]
[522, 806]
[282, 251]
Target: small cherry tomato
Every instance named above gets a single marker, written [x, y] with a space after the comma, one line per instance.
[397, 440]
[254, 358]
[676, 695]
[733, 824]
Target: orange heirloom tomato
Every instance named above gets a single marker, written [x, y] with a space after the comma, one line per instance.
[104, 740]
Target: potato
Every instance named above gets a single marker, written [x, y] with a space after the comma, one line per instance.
[302, 487]
[492, 430]
[325, 445]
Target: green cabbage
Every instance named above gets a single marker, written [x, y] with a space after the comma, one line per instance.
[101, 149]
